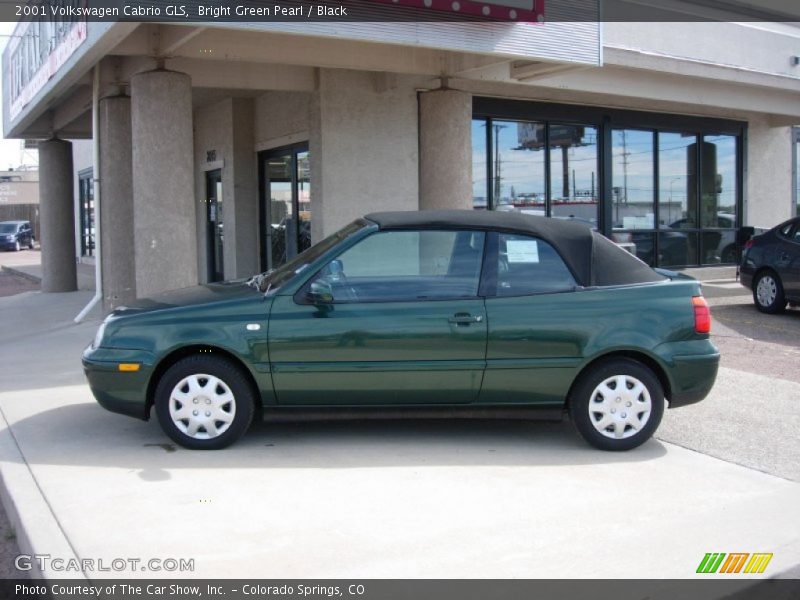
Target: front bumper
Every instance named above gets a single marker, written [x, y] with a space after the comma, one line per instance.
[692, 370]
[115, 390]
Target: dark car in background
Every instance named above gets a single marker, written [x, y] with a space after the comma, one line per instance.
[440, 313]
[14, 235]
[771, 267]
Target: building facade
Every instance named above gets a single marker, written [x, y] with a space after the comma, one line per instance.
[224, 149]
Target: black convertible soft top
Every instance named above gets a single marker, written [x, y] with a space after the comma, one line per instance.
[593, 259]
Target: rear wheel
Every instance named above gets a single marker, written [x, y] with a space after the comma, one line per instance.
[768, 293]
[30, 243]
[204, 402]
[617, 405]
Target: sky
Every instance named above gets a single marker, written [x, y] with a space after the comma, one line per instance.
[9, 149]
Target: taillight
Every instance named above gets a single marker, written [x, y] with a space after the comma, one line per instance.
[748, 244]
[702, 315]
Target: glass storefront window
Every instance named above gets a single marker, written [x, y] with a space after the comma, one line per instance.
[718, 183]
[633, 173]
[518, 176]
[479, 183]
[718, 194]
[573, 173]
[676, 195]
[285, 204]
[86, 200]
[671, 192]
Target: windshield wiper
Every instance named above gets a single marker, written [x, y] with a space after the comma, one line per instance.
[257, 281]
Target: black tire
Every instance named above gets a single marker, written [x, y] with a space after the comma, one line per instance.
[242, 408]
[778, 303]
[584, 392]
[17, 247]
[30, 244]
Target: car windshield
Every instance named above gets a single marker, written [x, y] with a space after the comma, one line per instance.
[8, 227]
[270, 281]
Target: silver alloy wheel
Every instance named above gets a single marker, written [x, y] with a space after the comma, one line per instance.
[202, 406]
[766, 290]
[620, 407]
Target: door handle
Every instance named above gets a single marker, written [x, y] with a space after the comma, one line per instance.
[465, 319]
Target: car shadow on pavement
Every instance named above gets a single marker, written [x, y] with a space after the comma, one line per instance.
[84, 434]
[745, 320]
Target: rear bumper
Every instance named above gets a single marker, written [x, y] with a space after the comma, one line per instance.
[117, 391]
[692, 370]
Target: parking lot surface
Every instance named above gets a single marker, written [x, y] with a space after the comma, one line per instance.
[401, 498]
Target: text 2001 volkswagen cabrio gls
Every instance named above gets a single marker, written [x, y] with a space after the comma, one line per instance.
[444, 313]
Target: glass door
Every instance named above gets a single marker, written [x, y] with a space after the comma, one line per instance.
[214, 226]
[285, 204]
[86, 199]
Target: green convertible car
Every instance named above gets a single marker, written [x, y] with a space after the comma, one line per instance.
[440, 313]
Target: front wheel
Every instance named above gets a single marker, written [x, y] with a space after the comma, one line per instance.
[17, 247]
[617, 405]
[768, 293]
[204, 402]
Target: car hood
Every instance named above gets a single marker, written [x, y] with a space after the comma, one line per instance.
[189, 296]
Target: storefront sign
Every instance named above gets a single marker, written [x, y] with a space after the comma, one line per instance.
[523, 11]
[37, 51]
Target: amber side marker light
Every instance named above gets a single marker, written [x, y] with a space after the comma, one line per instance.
[702, 315]
[128, 367]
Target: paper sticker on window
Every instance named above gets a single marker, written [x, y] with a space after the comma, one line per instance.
[522, 251]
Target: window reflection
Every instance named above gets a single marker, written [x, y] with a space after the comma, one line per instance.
[633, 169]
[573, 173]
[673, 195]
[676, 168]
[518, 177]
[479, 199]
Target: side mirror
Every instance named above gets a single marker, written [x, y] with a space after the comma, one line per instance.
[320, 293]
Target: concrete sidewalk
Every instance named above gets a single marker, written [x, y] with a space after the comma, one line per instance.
[28, 264]
[389, 499]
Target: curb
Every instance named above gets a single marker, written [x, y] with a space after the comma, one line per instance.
[22, 274]
[37, 530]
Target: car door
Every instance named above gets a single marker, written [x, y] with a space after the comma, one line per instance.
[788, 261]
[538, 323]
[394, 320]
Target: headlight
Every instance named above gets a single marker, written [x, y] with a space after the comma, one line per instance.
[98, 338]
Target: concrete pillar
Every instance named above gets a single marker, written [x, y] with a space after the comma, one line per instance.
[244, 243]
[116, 203]
[769, 173]
[445, 150]
[165, 236]
[57, 217]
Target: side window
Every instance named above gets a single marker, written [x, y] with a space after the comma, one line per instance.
[528, 265]
[405, 265]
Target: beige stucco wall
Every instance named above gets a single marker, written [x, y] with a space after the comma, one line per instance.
[769, 173]
[281, 118]
[364, 147]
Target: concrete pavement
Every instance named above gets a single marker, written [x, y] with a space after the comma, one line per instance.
[28, 264]
[388, 499]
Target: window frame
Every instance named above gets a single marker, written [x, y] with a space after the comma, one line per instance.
[606, 120]
[300, 296]
[491, 259]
